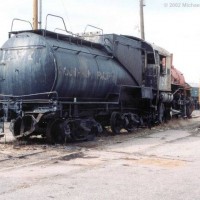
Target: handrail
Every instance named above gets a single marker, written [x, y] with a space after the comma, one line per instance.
[78, 51]
[57, 17]
[29, 95]
[88, 25]
[16, 19]
[24, 47]
[128, 45]
[66, 31]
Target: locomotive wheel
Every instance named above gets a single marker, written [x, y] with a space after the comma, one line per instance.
[15, 128]
[116, 122]
[168, 114]
[161, 112]
[57, 131]
[83, 136]
[81, 131]
[133, 122]
[189, 108]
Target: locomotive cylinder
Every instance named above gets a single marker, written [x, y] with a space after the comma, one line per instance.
[166, 97]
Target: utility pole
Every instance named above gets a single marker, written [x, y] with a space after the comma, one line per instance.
[40, 14]
[35, 14]
[142, 19]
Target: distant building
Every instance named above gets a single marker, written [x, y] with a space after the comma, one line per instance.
[195, 94]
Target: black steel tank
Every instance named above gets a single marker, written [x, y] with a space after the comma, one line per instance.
[32, 62]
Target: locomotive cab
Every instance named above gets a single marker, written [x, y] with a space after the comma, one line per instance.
[162, 68]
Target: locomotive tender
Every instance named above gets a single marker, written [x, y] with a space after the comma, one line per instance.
[67, 87]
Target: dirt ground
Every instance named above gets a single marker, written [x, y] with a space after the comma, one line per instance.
[13, 152]
[26, 166]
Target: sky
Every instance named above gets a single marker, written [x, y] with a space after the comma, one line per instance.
[171, 24]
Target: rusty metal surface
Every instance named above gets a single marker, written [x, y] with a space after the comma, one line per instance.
[177, 77]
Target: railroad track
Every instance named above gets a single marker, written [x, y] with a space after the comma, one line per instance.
[11, 161]
[69, 156]
[11, 157]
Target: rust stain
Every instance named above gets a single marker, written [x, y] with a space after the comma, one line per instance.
[159, 162]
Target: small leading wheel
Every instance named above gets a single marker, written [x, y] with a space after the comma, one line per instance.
[116, 122]
[58, 131]
[16, 126]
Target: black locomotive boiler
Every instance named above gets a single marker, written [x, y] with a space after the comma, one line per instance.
[67, 87]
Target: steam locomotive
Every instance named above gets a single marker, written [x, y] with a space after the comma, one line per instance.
[69, 87]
